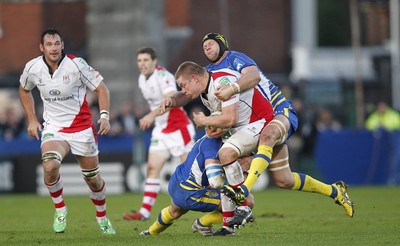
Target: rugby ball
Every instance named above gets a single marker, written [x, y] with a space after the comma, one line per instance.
[216, 113]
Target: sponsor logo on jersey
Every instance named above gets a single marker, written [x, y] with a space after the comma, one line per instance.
[47, 136]
[53, 99]
[238, 64]
[41, 83]
[54, 92]
[66, 79]
[224, 81]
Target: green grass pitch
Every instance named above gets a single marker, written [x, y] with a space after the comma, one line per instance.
[282, 218]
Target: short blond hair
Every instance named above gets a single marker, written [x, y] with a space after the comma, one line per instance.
[188, 68]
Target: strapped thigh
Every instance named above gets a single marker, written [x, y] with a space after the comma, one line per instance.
[277, 165]
[282, 130]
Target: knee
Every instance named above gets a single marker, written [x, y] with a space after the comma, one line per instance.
[270, 136]
[227, 155]
[50, 167]
[51, 162]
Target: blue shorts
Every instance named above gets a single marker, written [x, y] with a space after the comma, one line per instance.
[286, 108]
[202, 200]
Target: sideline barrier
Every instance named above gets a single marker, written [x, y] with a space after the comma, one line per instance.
[359, 157]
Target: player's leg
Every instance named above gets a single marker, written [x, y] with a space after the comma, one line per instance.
[244, 142]
[164, 219]
[157, 157]
[286, 179]
[52, 154]
[84, 148]
[240, 143]
[204, 224]
[97, 190]
[274, 133]
[156, 161]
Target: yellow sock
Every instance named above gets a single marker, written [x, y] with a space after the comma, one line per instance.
[214, 217]
[258, 165]
[303, 182]
[160, 225]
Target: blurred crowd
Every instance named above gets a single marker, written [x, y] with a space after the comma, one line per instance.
[313, 119]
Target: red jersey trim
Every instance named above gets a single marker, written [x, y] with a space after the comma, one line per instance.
[82, 121]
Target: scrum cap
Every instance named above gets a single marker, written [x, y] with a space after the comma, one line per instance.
[220, 39]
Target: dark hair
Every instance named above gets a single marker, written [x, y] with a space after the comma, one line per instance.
[147, 50]
[49, 31]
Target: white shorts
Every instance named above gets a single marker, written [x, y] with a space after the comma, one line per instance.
[245, 140]
[172, 143]
[82, 143]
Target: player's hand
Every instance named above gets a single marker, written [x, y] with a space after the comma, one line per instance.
[146, 122]
[165, 104]
[224, 92]
[215, 132]
[104, 126]
[199, 119]
[34, 128]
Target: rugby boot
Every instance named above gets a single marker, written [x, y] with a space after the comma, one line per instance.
[343, 198]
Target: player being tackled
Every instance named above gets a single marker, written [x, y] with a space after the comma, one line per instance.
[237, 196]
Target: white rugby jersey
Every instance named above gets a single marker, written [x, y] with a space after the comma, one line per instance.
[63, 92]
[153, 89]
[253, 105]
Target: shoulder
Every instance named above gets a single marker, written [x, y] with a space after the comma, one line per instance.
[79, 61]
[34, 62]
[223, 73]
[162, 71]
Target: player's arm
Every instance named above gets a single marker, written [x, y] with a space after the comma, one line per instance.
[249, 79]
[178, 99]
[226, 119]
[215, 173]
[103, 95]
[148, 119]
[28, 104]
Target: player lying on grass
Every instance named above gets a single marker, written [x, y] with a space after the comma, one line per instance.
[195, 186]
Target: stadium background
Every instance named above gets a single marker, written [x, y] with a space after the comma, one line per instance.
[304, 46]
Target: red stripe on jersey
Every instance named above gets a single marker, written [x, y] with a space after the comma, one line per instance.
[70, 56]
[177, 119]
[261, 107]
[82, 121]
[216, 75]
[185, 135]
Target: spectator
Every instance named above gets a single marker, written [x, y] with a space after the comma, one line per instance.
[326, 121]
[13, 125]
[125, 122]
[383, 117]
